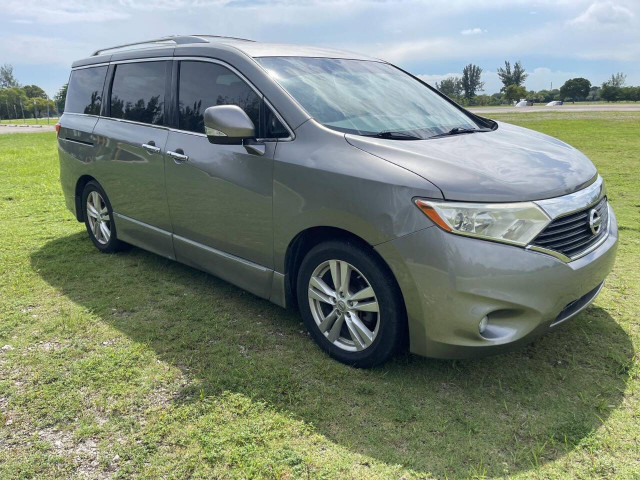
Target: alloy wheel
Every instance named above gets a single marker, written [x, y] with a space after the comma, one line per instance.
[98, 217]
[344, 305]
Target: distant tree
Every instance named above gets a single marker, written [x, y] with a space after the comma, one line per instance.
[575, 89]
[34, 91]
[610, 93]
[12, 98]
[545, 96]
[541, 96]
[38, 107]
[517, 76]
[594, 93]
[629, 94]
[617, 80]
[471, 81]
[7, 80]
[60, 98]
[556, 94]
[451, 87]
[514, 93]
[484, 100]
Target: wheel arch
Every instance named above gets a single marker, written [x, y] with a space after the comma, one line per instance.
[80, 184]
[305, 240]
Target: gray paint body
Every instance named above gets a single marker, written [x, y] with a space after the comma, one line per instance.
[235, 214]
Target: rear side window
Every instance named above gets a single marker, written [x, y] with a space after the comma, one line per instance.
[137, 92]
[84, 94]
[203, 85]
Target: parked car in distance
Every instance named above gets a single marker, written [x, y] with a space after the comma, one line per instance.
[293, 172]
[524, 103]
[554, 103]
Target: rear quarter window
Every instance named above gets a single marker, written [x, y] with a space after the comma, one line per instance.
[84, 94]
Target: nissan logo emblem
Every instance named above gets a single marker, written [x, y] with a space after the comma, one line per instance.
[595, 221]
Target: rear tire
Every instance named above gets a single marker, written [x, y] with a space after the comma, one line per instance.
[98, 218]
[351, 304]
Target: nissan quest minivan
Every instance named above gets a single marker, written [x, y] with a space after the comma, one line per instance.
[338, 184]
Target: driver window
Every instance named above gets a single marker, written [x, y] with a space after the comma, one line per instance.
[202, 85]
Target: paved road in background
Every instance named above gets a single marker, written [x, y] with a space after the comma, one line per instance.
[26, 129]
[561, 108]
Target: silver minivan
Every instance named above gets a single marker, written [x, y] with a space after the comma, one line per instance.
[337, 184]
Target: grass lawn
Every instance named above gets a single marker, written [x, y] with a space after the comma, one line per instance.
[29, 121]
[130, 365]
[542, 104]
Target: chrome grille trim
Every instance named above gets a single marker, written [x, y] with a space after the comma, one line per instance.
[573, 202]
[594, 242]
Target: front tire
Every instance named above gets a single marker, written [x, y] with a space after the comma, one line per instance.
[98, 218]
[351, 304]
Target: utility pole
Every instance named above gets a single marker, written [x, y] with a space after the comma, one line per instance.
[24, 119]
[6, 101]
[15, 110]
[35, 114]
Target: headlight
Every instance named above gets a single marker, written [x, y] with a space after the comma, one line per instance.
[515, 223]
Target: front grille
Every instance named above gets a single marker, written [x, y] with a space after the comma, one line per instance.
[571, 234]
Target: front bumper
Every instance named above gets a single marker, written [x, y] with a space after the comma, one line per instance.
[451, 282]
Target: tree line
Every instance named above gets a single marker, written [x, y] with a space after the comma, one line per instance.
[464, 89]
[26, 101]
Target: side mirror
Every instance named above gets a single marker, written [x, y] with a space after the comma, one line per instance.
[228, 124]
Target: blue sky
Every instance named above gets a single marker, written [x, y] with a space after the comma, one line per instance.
[555, 40]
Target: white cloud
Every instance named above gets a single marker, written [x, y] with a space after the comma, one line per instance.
[603, 14]
[35, 50]
[432, 79]
[473, 31]
[62, 11]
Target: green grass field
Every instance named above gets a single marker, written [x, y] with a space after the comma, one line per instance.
[30, 121]
[130, 365]
[542, 104]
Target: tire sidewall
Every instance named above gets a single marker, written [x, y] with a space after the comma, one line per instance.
[112, 244]
[392, 319]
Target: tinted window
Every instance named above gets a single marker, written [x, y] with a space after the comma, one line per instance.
[203, 85]
[274, 128]
[137, 93]
[84, 94]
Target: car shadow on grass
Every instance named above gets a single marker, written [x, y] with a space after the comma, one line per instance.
[491, 416]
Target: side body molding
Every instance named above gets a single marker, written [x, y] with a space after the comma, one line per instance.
[250, 276]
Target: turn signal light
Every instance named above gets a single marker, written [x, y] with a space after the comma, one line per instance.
[57, 128]
[430, 212]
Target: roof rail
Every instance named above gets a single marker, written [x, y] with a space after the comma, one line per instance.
[177, 39]
[223, 36]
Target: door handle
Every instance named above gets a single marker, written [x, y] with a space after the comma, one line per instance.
[178, 156]
[150, 147]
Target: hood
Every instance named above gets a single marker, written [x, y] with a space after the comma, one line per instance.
[510, 164]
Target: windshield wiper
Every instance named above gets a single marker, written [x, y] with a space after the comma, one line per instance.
[396, 135]
[459, 131]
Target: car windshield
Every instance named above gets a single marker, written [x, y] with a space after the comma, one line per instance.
[365, 97]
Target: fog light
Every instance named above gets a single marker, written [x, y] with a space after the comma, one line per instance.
[482, 326]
